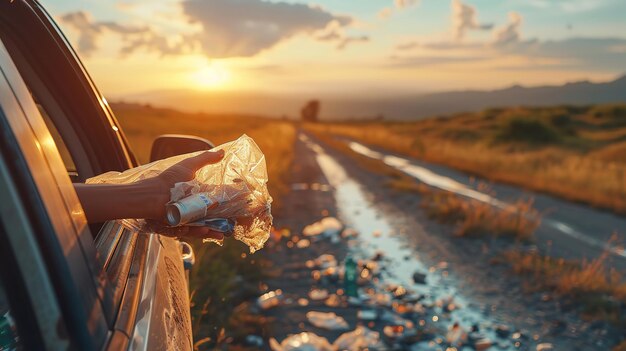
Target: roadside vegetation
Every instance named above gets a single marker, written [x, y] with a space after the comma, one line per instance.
[600, 290]
[472, 218]
[222, 279]
[577, 153]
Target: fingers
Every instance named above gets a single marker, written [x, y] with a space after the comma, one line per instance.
[204, 233]
[203, 159]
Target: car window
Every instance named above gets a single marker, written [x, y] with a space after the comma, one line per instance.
[65, 137]
[9, 338]
[66, 156]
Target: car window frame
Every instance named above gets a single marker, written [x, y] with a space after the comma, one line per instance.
[32, 161]
[100, 114]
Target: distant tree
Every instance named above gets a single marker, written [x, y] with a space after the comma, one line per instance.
[310, 111]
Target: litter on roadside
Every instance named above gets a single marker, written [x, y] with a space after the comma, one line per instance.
[327, 320]
[367, 315]
[304, 341]
[359, 339]
[270, 299]
[328, 226]
[325, 261]
[318, 294]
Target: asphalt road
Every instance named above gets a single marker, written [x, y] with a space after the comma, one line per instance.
[569, 230]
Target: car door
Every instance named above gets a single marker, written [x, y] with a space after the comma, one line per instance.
[138, 277]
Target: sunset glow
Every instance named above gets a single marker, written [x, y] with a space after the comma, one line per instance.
[211, 76]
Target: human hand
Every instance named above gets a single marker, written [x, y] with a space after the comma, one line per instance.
[180, 172]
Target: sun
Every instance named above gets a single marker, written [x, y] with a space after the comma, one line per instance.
[211, 76]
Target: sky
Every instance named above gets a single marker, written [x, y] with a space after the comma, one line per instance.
[343, 46]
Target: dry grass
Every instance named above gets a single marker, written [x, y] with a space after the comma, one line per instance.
[223, 277]
[599, 289]
[476, 218]
[561, 162]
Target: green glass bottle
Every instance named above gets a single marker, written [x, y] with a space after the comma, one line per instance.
[350, 277]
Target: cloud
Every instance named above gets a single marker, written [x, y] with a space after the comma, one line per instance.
[511, 32]
[134, 38]
[421, 61]
[240, 28]
[401, 4]
[582, 53]
[336, 33]
[350, 40]
[464, 18]
[386, 12]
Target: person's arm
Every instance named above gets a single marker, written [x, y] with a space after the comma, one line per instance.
[143, 199]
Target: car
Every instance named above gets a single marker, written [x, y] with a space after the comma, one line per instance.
[66, 284]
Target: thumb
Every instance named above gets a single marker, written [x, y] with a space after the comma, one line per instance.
[203, 159]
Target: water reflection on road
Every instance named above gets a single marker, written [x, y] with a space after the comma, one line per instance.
[378, 234]
[448, 184]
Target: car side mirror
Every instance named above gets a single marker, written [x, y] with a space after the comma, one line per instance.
[169, 145]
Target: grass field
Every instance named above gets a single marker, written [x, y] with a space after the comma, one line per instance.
[578, 153]
[222, 278]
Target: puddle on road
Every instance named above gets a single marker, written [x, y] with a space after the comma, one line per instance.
[444, 183]
[376, 233]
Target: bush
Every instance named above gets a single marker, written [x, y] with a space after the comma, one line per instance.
[526, 130]
[608, 111]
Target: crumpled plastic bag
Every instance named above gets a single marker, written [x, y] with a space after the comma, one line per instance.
[238, 183]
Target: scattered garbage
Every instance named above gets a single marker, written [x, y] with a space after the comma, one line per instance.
[304, 341]
[349, 233]
[327, 320]
[545, 347]
[333, 301]
[482, 344]
[318, 294]
[270, 299]
[502, 331]
[232, 191]
[254, 341]
[367, 315]
[327, 226]
[419, 278]
[325, 261]
[304, 243]
[456, 335]
[359, 339]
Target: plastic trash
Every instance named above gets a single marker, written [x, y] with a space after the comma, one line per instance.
[328, 226]
[456, 335]
[367, 315]
[233, 189]
[326, 261]
[270, 299]
[333, 301]
[318, 294]
[302, 342]
[327, 320]
[359, 339]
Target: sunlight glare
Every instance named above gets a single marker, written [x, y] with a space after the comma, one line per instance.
[211, 76]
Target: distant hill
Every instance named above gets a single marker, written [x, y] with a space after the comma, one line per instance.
[352, 106]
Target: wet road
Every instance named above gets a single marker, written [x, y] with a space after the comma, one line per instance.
[568, 229]
[458, 289]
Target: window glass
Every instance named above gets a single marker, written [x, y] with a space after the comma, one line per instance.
[9, 339]
[58, 140]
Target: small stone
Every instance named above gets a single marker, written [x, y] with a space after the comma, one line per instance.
[503, 331]
[546, 346]
[482, 344]
[419, 278]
